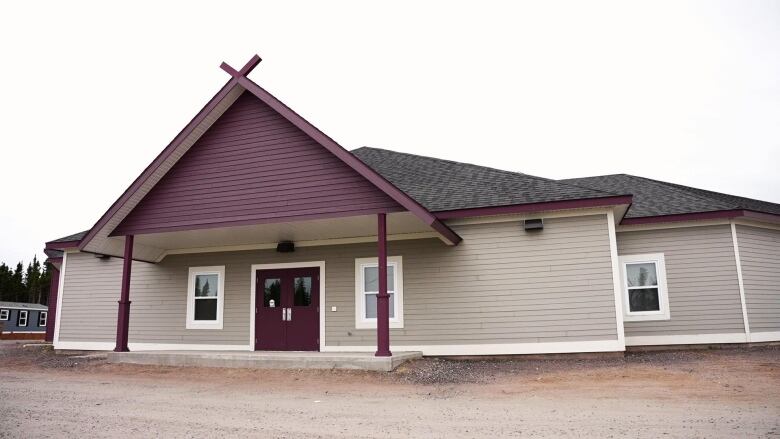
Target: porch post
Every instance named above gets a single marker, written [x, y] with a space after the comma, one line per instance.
[123, 318]
[51, 314]
[382, 298]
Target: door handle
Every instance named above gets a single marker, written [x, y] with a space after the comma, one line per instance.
[284, 314]
[289, 314]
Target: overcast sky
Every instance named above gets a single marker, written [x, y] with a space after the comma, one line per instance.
[677, 91]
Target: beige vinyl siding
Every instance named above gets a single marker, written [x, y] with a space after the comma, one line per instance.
[500, 285]
[158, 293]
[759, 253]
[701, 276]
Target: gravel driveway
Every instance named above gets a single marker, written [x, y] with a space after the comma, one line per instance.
[731, 393]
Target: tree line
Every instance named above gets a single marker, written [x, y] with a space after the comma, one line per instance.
[30, 285]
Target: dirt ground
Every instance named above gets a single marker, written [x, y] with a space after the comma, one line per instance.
[729, 393]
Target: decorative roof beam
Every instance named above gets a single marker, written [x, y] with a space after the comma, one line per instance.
[248, 67]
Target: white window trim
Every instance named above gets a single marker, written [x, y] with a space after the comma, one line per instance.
[22, 315]
[43, 316]
[5, 314]
[200, 324]
[663, 295]
[361, 322]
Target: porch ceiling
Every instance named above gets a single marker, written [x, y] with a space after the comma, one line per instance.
[155, 246]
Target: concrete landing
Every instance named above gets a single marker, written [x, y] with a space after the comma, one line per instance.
[265, 360]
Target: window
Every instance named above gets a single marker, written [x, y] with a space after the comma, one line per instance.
[367, 288]
[4, 314]
[42, 318]
[644, 287]
[205, 297]
[21, 319]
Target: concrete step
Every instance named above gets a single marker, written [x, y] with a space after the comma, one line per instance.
[265, 360]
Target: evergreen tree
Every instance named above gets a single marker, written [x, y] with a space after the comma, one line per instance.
[17, 284]
[31, 285]
[5, 282]
[32, 281]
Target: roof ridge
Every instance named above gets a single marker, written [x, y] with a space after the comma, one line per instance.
[714, 195]
[486, 167]
[674, 186]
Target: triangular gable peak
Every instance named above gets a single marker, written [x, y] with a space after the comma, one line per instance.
[253, 166]
[121, 217]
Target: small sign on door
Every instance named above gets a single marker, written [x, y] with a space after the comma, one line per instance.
[272, 303]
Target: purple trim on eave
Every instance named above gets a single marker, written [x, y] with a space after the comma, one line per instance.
[535, 207]
[60, 245]
[698, 216]
[202, 114]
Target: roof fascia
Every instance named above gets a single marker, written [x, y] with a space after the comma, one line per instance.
[718, 214]
[761, 216]
[159, 160]
[536, 207]
[61, 245]
[350, 160]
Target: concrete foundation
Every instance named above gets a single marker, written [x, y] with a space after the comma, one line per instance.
[265, 360]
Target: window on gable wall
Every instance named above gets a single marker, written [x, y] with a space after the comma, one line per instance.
[205, 297]
[367, 288]
[645, 295]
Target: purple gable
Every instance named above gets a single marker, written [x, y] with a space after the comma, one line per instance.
[254, 166]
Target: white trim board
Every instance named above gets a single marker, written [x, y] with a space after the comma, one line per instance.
[758, 337]
[655, 340]
[740, 281]
[109, 346]
[496, 349]
[60, 293]
[617, 283]
[252, 295]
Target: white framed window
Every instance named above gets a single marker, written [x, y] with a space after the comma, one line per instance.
[42, 318]
[367, 287]
[645, 296]
[205, 297]
[21, 319]
[4, 314]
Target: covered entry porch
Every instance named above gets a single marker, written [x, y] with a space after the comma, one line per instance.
[152, 292]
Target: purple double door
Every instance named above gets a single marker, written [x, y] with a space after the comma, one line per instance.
[288, 309]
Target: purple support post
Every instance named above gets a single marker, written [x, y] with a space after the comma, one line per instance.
[123, 318]
[382, 298]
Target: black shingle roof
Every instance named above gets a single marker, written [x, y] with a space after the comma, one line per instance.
[441, 185]
[51, 253]
[655, 198]
[73, 237]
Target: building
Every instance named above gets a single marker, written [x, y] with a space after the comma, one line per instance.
[253, 230]
[22, 319]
